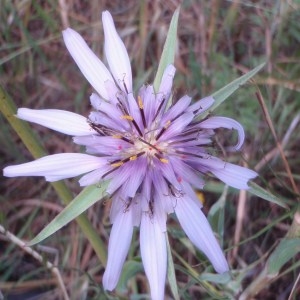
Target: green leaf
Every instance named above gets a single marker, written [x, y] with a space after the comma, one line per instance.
[216, 215]
[89, 196]
[216, 278]
[171, 272]
[168, 54]
[130, 269]
[221, 95]
[264, 194]
[286, 250]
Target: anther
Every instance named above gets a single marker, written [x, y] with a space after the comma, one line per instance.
[140, 102]
[164, 160]
[163, 130]
[127, 117]
[117, 164]
[141, 107]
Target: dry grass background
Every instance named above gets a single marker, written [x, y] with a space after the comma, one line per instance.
[218, 41]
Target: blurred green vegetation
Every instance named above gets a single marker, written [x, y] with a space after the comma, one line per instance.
[218, 42]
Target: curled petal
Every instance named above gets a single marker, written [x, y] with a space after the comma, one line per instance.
[57, 166]
[116, 54]
[197, 228]
[89, 64]
[218, 122]
[60, 120]
[119, 243]
[154, 255]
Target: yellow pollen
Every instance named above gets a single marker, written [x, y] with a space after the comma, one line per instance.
[127, 117]
[164, 160]
[134, 157]
[167, 124]
[140, 101]
[117, 164]
[116, 136]
[200, 196]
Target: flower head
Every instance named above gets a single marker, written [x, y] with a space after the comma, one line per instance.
[153, 153]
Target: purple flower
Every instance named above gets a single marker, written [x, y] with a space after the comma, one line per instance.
[153, 153]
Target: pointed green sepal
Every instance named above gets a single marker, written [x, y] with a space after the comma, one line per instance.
[256, 190]
[168, 54]
[221, 95]
[89, 196]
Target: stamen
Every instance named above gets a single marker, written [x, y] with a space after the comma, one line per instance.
[175, 192]
[163, 160]
[163, 130]
[140, 102]
[125, 87]
[130, 118]
[96, 127]
[127, 117]
[127, 204]
[141, 107]
[159, 107]
[117, 164]
[133, 157]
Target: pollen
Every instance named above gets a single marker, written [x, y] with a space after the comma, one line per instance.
[164, 160]
[127, 117]
[140, 102]
[116, 136]
[167, 124]
[133, 157]
[117, 164]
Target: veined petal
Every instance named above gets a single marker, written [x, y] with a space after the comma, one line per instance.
[136, 178]
[197, 228]
[94, 177]
[234, 175]
[57, 166]
[119, 243]
[177, 126]
[60, 120]
[89, 64]
[116, 54]
[148, 98]
[167, 80]
[218, 122]
[154, 255]
[201, 105]
[177, 109]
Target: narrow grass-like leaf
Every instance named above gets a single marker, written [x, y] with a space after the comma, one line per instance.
[171, 272]
[89, 196]
[221, 95]
[264, 194]
[130, 269]
[168, 54]
[285, 251]
[216, 278]
[216, 215]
